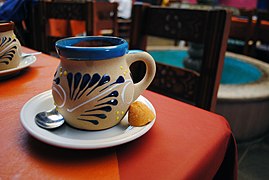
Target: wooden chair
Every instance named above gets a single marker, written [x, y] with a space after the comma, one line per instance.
[96, 16]
[241, 31]
[105, 18]
[208, 27]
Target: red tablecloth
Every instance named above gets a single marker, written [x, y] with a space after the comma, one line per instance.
[185, 142]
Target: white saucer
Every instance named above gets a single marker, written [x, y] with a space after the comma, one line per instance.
[25, 62]
[68, 137]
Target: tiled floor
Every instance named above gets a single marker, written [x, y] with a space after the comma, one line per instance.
[253, 159]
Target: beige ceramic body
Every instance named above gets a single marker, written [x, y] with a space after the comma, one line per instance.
[95, 110]
[10, 47]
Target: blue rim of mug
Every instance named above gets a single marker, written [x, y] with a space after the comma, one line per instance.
[65, 48]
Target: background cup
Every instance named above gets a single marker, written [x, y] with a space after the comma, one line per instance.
[10, 47]
[92, 87]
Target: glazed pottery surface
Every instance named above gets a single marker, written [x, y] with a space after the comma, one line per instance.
[92, 87]
[10, 47]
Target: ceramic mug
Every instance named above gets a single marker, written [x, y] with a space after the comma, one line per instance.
[92, 86]
[10, 47]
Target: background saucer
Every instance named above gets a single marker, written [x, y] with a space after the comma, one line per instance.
[25, 62]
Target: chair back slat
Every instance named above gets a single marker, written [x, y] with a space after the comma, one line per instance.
[166, 82]
[65, 10]
[173, 21]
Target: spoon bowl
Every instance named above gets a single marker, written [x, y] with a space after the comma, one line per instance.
[49, 119]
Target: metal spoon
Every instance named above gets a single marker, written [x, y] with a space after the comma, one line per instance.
[49, 119]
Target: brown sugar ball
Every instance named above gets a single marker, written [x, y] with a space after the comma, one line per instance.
[139, 114]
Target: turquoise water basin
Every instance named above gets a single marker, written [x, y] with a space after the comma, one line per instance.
[235, 71]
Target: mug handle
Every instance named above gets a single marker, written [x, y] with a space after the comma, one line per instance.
[138, 55]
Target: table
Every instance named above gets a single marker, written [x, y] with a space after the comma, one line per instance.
[185, 142]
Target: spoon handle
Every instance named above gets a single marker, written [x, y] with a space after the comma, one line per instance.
[24, 55]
